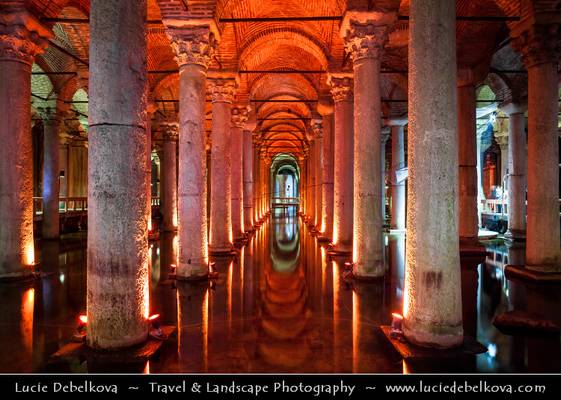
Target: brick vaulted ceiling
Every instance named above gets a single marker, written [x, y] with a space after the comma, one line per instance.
[312, 45]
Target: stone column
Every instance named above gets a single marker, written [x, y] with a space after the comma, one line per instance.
[384, 135]
[516, 181]
[467, 153]
[193, 47]
[256, 184]
[239, 116]
[222, 93]
[325, 108]
[318, 172]
[150, 108]
[21, 38]
[51, 182]
[502, 141]
[432, 307]
[342, 91]
[398, 162]
[365, 35]
[248, 176]
[170, 136]
[65, 141]
[540, 52]
[118, 287]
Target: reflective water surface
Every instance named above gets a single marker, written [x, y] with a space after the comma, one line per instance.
[281, 305]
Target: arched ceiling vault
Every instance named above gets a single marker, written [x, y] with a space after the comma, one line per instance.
[251, 45]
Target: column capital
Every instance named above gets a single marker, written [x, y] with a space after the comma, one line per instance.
[240, 114]
[539, 44]
[385, 134]
[170, 131]
[192, 45]
[22, 36]
[221, 87]
[502, 141]
[341, 86]
[316, 125]
[365, 33]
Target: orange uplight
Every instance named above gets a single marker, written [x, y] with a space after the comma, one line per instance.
[29, 255]
[153, 317]
[397, 315]
[83, 319]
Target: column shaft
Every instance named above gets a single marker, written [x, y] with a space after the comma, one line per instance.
[398, 187]
[343, 165]
[118, 290]
[469, 228]
[327, 177]
[432, 300]
[239, 116]
[318, 188]
[543, 248]
[368, 255]
[516, 176]
[248, 180]
[169, 176]
[51, 182]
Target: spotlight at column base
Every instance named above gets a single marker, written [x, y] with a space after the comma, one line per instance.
[542, 274]
[434, 337]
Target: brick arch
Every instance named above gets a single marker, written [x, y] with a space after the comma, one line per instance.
[275, 42]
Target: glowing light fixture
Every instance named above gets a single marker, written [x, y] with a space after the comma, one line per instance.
[396, 329]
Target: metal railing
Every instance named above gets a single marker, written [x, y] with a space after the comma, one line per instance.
[285, 201]
[65, 205]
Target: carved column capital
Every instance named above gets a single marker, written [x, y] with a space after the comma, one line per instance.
[240, 114]
[366, 33]
[341, 87]
[540, 44]
[385, 134]
[170, 131]
[317, 127]
[221, 89]
[22, 37]
[194, 45]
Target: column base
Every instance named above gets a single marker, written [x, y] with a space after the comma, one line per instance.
[20, 276]
[513, 235]
[470, 247]
[222, 250]
[440, 338]
[322, 238]
[535, 273]
[340, 249]
[410, 351]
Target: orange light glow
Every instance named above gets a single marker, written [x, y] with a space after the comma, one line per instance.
[26, 322]
[29, 254]
[146, 289]
[397, 315]
[356, 332]
[205, 313]
[153, 317]
[83, 319]
[147, 368]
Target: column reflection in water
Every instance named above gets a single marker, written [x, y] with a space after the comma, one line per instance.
[283, 328]
[193, 303]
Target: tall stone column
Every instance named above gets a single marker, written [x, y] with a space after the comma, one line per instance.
[239, 116]
[398, 162]
[51, 182]
[222, 90]
[150, 108]
[516, 180]
[193, 47]
[118, 286]
[364, 35]
[325, 108]
[432, 307]
[540, 47]
[384, 135]
[467, 153]
[318, 166]
[256, 184]
[170, 136]
[342, 91]
[21, 39]
[248, 187]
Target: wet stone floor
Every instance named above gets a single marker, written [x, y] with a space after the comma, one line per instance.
[280, 305]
